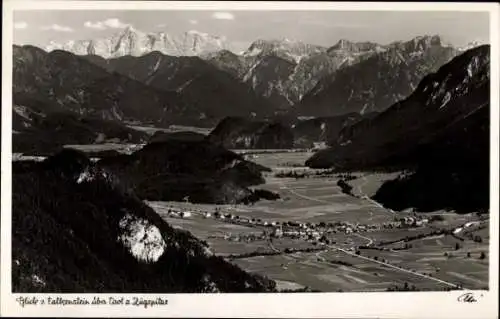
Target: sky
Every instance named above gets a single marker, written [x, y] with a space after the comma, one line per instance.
[243, 27]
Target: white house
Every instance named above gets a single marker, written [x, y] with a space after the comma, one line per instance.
[186, 214]
[319, 145]
[278, 232]
[469, 224]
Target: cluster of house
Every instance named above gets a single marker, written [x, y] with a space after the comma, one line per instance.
[279, 232]
[179, 214]
[465, 226]
[306, 231]
[319, 146]
[292, 228]
[246, 237]
[412, 221]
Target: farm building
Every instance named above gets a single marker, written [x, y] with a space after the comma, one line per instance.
[469, 224]
[278, 232]
[319, 145]
[185, 214]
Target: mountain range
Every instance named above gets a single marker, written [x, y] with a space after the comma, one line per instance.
[270, 76]
[269, 80]
[290, 72]
[378, 81]
[180, 90]
[131, 41]
[441, 132]
[440, 101]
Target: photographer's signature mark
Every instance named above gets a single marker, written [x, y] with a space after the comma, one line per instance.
[467, 297]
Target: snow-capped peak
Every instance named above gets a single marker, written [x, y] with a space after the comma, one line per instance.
[471, 44]
[203, 34]
[130, 41]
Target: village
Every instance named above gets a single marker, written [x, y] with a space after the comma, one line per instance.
[308, 231]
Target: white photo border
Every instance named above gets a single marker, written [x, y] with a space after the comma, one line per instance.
[256, 305]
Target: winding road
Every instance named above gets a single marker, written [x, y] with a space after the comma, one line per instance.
[370, 240]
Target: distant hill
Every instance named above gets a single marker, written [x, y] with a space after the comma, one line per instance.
[441, 131]
[321, 129]
[160, 136]
[180, 169]
[41, 127]
[311, 80]
[453, 173]
[236, 65]
[210, 92]
[169, 90]
[78, 85]
[377, 81]
[241, 133]
[74, 230]
[284, 70]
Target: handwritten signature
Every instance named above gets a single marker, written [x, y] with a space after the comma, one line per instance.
[467, 297]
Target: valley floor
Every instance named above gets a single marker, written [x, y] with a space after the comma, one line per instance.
[340, 242]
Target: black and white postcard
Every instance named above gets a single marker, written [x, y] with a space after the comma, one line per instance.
[250, 159]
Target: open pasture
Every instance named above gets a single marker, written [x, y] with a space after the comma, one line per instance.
[316, 200]
[427, 256]
[171, 129]
[203, 228]
[222, 247]
[320, 271]
[277, 158]
[368, 183]
[122, 148]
